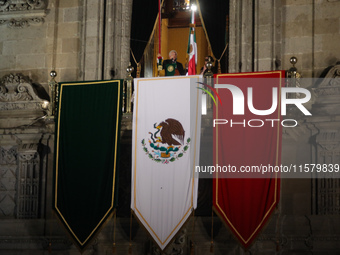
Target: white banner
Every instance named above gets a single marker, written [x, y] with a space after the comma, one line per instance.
[165, 151]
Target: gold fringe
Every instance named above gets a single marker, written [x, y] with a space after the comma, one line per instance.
[138, 70]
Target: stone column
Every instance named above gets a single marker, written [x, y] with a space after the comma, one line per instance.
[118, 37]
[326, 120]
[105, 35]
[255, 35]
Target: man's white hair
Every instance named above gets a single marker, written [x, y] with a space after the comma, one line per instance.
[172, 51]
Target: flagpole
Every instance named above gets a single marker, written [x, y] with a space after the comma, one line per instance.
[159, 26]
[159, 56]
[192, 47]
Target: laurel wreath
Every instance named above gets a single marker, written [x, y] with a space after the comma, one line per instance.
[166, 161]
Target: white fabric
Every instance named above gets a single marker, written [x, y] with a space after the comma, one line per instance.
[164, 194]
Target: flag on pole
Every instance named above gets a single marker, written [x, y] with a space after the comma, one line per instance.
[245, 200]
[192, 46]
[165, 151]
[86, 156]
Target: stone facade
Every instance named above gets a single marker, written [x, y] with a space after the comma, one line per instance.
[89, 40]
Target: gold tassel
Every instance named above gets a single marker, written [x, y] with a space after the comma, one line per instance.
[192, 250]
[49, 247]
[139, 68]
[114, 248]
[212, 247]
[114, 233]
[130, 245]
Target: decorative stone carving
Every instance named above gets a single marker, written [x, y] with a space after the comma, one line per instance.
[8, 170]
[21, 5]
[28, 182]
[19, 103]
[332, 77]
[22, 13]
[326, 120]
[328, 93]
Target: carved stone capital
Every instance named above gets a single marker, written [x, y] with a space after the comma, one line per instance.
[8, 156]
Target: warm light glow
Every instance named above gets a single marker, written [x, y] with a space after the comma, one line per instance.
[194, 7]
[45, 104]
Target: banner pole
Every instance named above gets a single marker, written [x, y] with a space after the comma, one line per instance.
[159, 26]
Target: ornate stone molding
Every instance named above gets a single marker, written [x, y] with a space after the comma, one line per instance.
[16, 87]
[332, 77]
[19, 102]
[22, 13]
[330, 85]
[328, 94]
[8, 156]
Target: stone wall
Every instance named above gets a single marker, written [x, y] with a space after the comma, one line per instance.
[89, 40]
[81, 40]
[264, 35]
[311, 32]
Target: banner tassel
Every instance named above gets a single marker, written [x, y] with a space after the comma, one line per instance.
[192, 250]
[212, 232]
[278, 230]
[49, 247]
[130, 245]
[114, 234]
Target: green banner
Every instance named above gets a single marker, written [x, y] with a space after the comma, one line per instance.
[170, 69]
[86, 156]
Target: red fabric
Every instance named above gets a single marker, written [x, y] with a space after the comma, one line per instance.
[192, 66]
[245, 204]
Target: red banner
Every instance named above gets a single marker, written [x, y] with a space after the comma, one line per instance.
[247, 147]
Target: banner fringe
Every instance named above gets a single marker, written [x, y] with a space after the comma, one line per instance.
[192, 250]
[114, 233]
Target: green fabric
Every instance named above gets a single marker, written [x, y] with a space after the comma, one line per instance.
[170, 69]
[87, 146]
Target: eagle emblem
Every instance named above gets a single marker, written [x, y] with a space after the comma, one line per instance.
[170, 68]
[167, 142]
